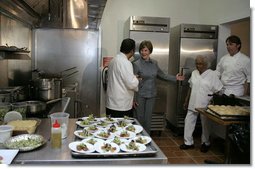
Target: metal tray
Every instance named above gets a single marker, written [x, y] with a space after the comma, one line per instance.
[150, 150]
[227, 117]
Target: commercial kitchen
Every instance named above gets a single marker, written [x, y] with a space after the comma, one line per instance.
[54, 56]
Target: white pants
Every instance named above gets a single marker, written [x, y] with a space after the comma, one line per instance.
[190, 123]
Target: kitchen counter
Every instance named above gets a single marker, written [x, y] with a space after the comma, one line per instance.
[47, 155]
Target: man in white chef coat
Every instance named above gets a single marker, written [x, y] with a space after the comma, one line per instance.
[122, 83]
[203, 81]
[234, 69]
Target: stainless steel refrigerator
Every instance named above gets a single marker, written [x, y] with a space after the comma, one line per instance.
[155, 29]
[186, 42]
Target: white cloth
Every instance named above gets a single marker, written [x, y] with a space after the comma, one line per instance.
[201, 85]
[234, 71]
[121, 84]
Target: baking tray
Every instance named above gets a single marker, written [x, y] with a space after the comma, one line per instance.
[227, 117]
[150, 150]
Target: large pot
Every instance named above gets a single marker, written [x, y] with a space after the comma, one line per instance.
[49, 88]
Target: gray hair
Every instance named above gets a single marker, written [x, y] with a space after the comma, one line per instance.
[205, 59]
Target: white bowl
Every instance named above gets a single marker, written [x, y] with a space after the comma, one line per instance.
[5, 132]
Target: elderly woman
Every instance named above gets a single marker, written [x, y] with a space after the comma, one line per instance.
[203, 81]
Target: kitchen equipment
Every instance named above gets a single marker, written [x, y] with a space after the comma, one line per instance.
[35, 106]
[49, 88]
[63, 119]
[12, 115]
[187, 42]
[155, 29]
[5, 97]
[20, 107]
[5, 132]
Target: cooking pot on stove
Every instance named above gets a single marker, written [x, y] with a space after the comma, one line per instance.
[35, 106]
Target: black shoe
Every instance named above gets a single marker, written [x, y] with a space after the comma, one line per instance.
[185, 147]
[204, 148]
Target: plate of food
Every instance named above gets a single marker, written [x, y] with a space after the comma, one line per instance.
[125, 134]
[122, 123]
[83, 134]
[90, 118]
[102, 123]
[92, 140]
[84, 123]
[109, 120]
[103, 134]
[116, 140]
[81, 147]
[107, 148]
[113, 128]
[142, 139]
[25, 142]
[93, 128]
[134, 128]
[132, 146]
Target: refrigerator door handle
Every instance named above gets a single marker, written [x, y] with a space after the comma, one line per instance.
[182, 73]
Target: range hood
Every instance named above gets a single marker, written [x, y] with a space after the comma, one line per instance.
[71, 14]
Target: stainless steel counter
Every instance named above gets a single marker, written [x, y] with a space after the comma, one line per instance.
[47, 155]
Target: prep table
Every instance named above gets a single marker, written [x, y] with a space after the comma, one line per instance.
[47, 155]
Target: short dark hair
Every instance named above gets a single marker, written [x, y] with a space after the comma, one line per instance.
[127, 45]
[234, 39]
[146, 43]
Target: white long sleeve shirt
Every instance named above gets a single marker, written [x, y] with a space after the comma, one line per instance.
[234, 71]
[202, 85]
[122, 83]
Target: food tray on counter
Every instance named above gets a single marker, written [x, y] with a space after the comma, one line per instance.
[227, 117]
[149, 151]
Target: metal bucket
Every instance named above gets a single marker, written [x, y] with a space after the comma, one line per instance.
[49, 89]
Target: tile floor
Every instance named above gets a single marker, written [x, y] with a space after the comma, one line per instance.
[169, 143]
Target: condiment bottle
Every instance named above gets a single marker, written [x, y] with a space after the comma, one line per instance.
[56, 139]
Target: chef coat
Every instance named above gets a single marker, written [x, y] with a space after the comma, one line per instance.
[234, 71]
[148, 71]
[202, 85]
[121, 84]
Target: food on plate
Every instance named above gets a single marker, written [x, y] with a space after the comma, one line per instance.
[127, 118]
[92, 128]
[117, 141]
[85, 122]
[82, 147]
[102, 124]
[112, 129]
[124, 133]
[29, 142]
[91, 118]
[229, 110]
[122, 124]
[85, 133]
[21, 125]
[104, 134]
[92, 141]
[132, 146]
[130, 128]
[109, 119]
[108, 148]
[141, 140]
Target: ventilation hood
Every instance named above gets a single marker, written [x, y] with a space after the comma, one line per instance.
[71, 14]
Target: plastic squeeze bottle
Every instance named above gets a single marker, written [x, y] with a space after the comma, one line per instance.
[56, 139]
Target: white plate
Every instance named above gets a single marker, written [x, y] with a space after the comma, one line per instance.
[122, 140]
[107, 120]
[138, 129]
[141, 147]
[73, 146]
[81, 125]
[8, 156]
[93, 131]
[92, 121]
[96, 134]
[146, 139]
[130, 134]
[86, 140]
[98, 147]
[80, 136]
[105, 124]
